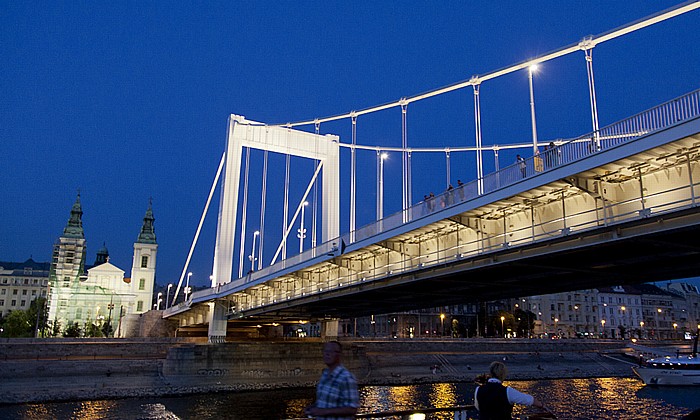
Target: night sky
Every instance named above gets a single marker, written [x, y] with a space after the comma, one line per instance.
[127, 101]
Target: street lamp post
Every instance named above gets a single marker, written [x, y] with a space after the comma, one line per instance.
[531, 70]
[187, 285]
[159, 300]
[442, 325]
[252, 257]
[641, 328]
[624, 320]
[675, 325]
[556, 332]
[110, 306]
[602, 327]
[167, 296]
[302, 232]
[502, 330]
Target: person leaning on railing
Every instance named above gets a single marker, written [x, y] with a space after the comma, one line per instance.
[495, 401]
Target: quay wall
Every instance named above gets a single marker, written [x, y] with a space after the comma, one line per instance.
[34, 370]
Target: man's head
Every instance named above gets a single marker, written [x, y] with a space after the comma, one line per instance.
[498, 371]
[331, 353]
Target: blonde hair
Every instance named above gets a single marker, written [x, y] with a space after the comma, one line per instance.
[498, 370]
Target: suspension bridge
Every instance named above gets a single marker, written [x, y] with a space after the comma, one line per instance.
[617, 205]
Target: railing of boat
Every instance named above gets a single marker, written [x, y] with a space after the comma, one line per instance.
[460, 412]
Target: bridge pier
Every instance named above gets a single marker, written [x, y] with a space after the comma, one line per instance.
[329, 329]
[217, 323]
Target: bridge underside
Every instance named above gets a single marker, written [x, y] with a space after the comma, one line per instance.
[613, 256]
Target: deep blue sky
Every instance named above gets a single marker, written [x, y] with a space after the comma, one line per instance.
[129, 100]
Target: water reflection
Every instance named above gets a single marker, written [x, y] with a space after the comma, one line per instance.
[606, 398]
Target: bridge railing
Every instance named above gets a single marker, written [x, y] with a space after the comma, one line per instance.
[565, 151]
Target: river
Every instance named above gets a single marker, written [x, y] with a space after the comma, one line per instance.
[598, 398]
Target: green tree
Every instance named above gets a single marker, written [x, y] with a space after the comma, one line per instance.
[107, 329]
[92, 330]
[37, 314]
[56, 328]
[73, 330]
[17, 324]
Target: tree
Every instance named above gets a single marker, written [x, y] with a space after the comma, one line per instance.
[73, 330]
[55, 328]
[107, 329]
[92, 330]
[17, 324]
[37, 314]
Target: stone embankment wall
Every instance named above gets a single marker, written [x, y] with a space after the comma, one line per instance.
[58, 369]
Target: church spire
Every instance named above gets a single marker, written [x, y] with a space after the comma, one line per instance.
[148, 233]
[74, 227]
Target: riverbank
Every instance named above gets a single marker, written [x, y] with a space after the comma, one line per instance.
[57, 370]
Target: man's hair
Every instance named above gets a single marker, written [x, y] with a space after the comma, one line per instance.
[498, 370]
[337, 343]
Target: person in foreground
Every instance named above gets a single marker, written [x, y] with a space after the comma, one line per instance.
[495, 401]
[336, 393]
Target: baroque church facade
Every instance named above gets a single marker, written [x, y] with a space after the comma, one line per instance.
[99, 294]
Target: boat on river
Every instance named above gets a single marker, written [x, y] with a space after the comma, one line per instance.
[681, 370]
[671, 370]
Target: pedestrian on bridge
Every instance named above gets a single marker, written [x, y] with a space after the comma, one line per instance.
[521, 164]
[336, 393]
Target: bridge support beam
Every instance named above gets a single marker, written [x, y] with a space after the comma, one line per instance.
[329, 329]
[217, 323]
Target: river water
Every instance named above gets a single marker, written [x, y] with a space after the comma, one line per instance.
[599, 398]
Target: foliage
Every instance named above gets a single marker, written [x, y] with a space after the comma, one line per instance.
[107, 329]
[18, 324]
[73, 330]
[55, 328]
[93, 330]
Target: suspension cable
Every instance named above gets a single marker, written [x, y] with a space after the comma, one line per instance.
[263, 203]
[199, 227]
[244, 212]
[285, 223]
[606, 36]
[301, 203]
[353, 175]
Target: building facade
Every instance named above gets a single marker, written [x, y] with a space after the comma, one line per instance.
[98, 294]
[21, 283]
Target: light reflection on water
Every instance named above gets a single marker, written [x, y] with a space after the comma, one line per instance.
[602, 398]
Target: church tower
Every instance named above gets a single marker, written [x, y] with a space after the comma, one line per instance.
[67, 269]
[143, 268]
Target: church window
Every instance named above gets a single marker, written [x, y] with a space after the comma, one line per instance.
[26, 281]
[2, 302]
[24, 292]
[14, 303]
[144, 261]
[139, 306]
[3, 291]
[14, 291]
[23, 303]
[142, 284]
[33, 292]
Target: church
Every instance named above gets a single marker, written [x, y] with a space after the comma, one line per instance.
[99, 294]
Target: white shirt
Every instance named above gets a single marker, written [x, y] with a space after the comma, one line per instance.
[514, 396]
